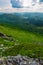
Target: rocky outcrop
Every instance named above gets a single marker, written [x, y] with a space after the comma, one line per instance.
[6, 37]
[2, 35]
[20, 60]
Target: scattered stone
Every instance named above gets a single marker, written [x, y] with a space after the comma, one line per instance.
[20, 60]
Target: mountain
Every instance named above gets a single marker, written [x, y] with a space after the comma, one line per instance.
[20, 18]
[23, 32]
[26, 21]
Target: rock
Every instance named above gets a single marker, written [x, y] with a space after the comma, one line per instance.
[6, 37]
[2, 35]
[34, 63]
[41, 62]
[10, 38]
[1, 62]
[20, 60]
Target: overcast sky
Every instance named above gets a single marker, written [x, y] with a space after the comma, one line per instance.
[21, 5]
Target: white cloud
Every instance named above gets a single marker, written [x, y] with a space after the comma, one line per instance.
[38, 7]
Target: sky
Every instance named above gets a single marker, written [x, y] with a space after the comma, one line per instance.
[21, 6]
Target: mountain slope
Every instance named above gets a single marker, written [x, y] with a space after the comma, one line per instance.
[26, 21]
[28, 37]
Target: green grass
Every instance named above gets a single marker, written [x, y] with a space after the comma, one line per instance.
[21, 35]
[29, 43]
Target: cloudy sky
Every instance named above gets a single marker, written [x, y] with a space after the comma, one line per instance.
[21, 5]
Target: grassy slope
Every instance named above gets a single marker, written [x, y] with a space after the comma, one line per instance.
[30, 43]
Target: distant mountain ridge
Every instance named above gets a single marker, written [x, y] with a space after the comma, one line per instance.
[32, 22]
[32, 18]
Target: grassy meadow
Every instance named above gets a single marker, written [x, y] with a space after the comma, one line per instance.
[26, 30]
[26, 43]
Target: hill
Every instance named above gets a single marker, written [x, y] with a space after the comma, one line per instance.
[28, 37]
[26, 21]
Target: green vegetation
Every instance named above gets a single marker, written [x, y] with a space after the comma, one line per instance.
[28, 38]
[26, 43]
